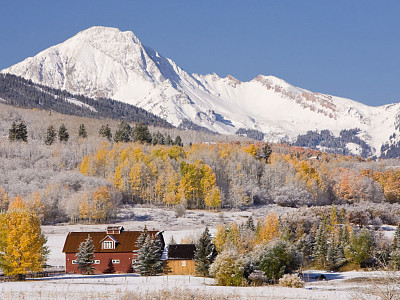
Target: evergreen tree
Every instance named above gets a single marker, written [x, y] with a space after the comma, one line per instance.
[321, 248]
[82, 131]
[12, 132]
[105, 131]
[168, 140]
[141, 133]
[178, 141]
[158, 139]
[395, 253]
[148, 261]
[85, 256]
[250, 223]
[123, 133]
[63, 134]
[110, 268]
[22, 132]
[18, 132]
[50, 135]
[360, 247]
[205, 253]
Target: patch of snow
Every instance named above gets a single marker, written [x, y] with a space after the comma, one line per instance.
[80, 104]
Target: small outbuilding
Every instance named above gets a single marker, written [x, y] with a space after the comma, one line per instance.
[179, 259]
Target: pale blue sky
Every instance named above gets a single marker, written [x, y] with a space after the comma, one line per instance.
[346, 48]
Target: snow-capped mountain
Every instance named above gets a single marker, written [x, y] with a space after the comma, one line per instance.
[105, 62]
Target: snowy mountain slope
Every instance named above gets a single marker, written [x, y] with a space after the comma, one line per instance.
[105, 62]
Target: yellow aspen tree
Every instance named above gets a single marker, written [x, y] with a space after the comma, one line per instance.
[22, 244]
[118, 180]
[220, 237]
[85, 165]
[135, 179]
[16, 203]
[213, 198]
[84, 212]
[269, 228]
[37, 206]
[101, 205]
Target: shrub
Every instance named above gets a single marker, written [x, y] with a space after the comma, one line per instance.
[292, 281]
[258, 278]
[228, 268]
[278, 258]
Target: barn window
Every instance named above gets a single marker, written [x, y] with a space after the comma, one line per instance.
[96, 261]
[183, 263]
[74, 262]
[108, 245]
[115, 261]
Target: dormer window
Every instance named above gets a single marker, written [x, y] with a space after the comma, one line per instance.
[108, 245]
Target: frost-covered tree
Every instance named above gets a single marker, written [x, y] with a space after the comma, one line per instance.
[82, 131]
[63, 134]
[105, 131]
[205, 253]
[18, 132]
[85, 256]
[50, 135]
[228, 268]
[123, 133]
[148, 261]
[141, 133]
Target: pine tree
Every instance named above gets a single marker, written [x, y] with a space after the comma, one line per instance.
[82, 131]
[105, 131]
[141, 133]
[12, 132]
[250, 223]
[85, 256]
[178, 141]
[168, 140]
[321, 248]
[63, 134]
[123, 133]
[22, 244]
[50, 136]
[395, 253]
[18, 132]
[22, 132]
[205, 253]
[148, 261]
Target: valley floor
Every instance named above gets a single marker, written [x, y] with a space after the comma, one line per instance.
[345, 285]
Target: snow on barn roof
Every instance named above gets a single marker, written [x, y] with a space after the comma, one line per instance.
[126, 241]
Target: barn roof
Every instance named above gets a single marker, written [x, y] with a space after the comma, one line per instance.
[181, 251]
[126, 241]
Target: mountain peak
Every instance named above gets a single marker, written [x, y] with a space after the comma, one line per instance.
[107, 62]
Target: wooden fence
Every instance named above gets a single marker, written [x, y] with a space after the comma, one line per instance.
[31, 275]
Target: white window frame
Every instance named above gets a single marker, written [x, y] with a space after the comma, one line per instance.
[108, 245]
[74, 262]
[183, 263]
[116, 261]
[97, 261]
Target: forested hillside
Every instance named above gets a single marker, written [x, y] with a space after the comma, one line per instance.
[87, 178]
[24, 93]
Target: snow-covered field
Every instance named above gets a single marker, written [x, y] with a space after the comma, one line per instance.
[345, 285]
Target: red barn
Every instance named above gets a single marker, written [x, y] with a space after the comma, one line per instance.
[114, 244]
